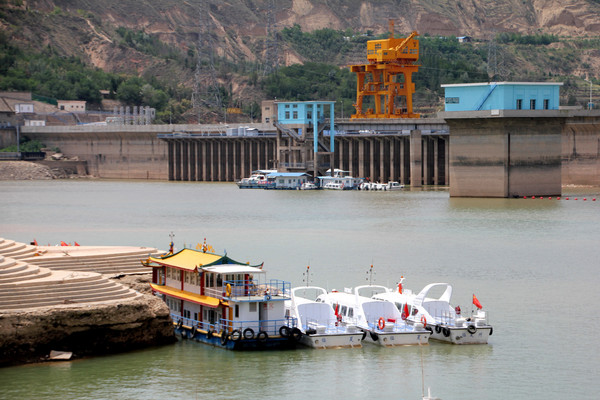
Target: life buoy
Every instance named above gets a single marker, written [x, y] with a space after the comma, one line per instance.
[381, 323]
[424, 321]
[228, 290]
[471, 329]
[236, 335]
[248, 333]
[284, 331]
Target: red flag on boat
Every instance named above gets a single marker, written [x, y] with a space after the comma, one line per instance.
[477, 303]
[76, 244]
[400, 287]
[405, 311]
[35, 242]
[62, 243]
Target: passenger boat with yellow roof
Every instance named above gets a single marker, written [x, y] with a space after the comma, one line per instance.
[222, 302]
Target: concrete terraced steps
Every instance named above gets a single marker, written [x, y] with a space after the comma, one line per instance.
[109, 260]
[52, 276]
[42, 287]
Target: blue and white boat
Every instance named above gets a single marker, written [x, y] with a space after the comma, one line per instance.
[257, 180]
[340, 180]
[219, 301]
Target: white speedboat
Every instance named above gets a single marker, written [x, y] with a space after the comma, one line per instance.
[318, 322]
[446, 323]
[309, 186]
[380, 321]
[376, 186]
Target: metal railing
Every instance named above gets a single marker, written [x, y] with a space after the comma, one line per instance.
[274, 289]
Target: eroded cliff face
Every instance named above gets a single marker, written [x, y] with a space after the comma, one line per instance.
[84, 330]
[87, 28]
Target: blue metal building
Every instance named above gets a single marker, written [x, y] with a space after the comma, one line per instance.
[502, 96]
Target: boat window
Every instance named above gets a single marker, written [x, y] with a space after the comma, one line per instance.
[252, 307]
[219, 280]
[187, 277]
[351, 312]
[237, 310]
[344, 310]
[399, 306]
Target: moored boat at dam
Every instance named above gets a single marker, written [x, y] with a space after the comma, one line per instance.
[216, 300]
[446, 323]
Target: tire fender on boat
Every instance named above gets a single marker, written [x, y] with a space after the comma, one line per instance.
[224, 338]
[179, 324]
[248, 333]
[236, 335]
[446, 331]
[284, 331]
[471, 329]
[438, 329]
[262, 337]
[374, 336]
[296, 334]
[209, 333]
[381, 323]
[194, 330]
[491, 331]
[364, 335]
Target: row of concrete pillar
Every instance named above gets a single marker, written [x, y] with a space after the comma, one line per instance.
[218, 159]
[412, 159]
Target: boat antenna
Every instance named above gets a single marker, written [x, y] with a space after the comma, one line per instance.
[370, 274]
[307, 275]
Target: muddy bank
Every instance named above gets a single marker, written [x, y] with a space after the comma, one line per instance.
[29, 336]
[26, 170]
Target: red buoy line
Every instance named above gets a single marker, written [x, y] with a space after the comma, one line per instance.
[559, 198]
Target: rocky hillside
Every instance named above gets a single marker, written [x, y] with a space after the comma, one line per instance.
[158, 39]
[87, 28]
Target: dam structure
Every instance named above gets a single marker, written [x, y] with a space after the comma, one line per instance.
[412, 151]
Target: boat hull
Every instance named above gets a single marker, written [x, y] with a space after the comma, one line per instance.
[217, 340]
[325, 341]
[391, 339]
[462, 335]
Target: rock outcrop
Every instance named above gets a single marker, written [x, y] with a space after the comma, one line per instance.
[61, 298]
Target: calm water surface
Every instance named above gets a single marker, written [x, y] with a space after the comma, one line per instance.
[533, 264]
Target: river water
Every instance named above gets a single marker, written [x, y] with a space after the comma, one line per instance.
[533, 264]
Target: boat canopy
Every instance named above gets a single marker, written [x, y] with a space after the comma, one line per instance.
[191, 260]
[233, 269]
[185, 295]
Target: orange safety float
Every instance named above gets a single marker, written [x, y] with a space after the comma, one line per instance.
[424, 321]
[381, 323]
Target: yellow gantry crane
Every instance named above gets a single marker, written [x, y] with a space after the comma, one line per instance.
[388, 77]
